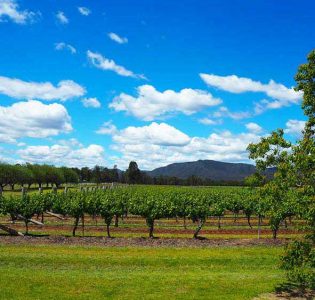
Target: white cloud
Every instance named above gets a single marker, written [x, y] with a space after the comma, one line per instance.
[281, 95]
[70, 142]
[108, 128]
[84, 11]
[104, 63]
[91, 102]
[65, 155]
[156, 145]
[208, 121]
[155, 134]
[151, 104]
[253, 127]
[9, 9]
[19, 89]
[32, 119]
[62, 18]
[294, 127]
[224, 112]
[62, 46]
[115, 37]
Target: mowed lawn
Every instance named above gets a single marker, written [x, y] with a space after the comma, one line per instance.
[73, 272]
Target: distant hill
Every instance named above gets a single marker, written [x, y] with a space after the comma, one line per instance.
[210, 169]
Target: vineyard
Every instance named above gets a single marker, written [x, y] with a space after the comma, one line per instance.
[133, 211]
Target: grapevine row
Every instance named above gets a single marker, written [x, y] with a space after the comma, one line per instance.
[151, 203]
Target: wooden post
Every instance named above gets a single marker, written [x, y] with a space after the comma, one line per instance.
[259, 219]
[10, 230]
[23, 191]
[66, 190]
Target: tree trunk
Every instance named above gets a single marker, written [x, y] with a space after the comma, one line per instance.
[274, 233]
[235, 216]
[13, 218]
[151, 229]
[219, 222]
[259, 224]
[201, 223]
[42, 219]
[12, 187]
[82, 218]
[248, 221]
[76, 223]
[116, 220]
[107, 229]
[185, 226]
[26, 227]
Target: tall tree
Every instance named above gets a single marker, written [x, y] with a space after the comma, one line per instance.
[292, 189]
[133, 173]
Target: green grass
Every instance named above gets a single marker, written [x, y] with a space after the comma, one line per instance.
[71, 272]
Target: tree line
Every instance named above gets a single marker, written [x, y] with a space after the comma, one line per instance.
[44, 175]
[29, 174]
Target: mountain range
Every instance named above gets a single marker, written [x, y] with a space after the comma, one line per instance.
[207, 169]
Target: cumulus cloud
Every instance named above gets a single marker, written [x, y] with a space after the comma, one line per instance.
[253, 127]
[9, 10]
[33, 119]
[91, 102]
[294, 127]
[63, 154]
[84, 11]
[150, 104]
[281, 95]
[104, 63]
[155, 134]
[161, 144]
[62, 18]
[19, 89]
[64, 46]
[108, 128]
[224, 112]
[116, 38]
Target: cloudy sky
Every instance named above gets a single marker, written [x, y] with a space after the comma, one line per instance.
[105, 82]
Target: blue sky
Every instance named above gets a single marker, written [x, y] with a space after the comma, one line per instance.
[106, 82]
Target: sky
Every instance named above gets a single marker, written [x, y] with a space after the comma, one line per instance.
[104, 82]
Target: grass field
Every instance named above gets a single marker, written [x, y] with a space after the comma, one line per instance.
[75, 272]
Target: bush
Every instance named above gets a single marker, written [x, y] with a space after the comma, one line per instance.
[299, 262]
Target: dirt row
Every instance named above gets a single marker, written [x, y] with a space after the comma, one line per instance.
[144, 230]
[136, 242]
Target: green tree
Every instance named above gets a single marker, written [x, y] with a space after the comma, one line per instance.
[70, 176]
[292, 189]
[133, 173]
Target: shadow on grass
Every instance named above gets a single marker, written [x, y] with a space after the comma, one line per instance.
[292, 291]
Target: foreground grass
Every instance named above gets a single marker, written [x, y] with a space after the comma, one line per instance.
[68, 272]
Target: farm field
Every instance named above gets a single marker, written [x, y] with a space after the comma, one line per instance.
[174, 212]
[67, 251]
[67, 272]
